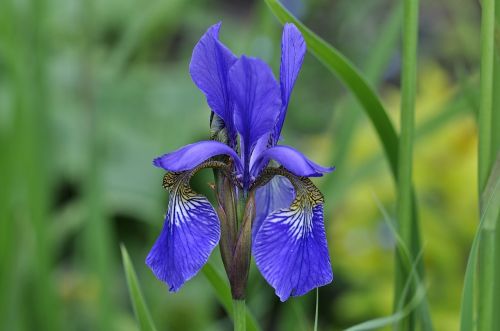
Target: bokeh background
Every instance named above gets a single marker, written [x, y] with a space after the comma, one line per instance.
[91, 91]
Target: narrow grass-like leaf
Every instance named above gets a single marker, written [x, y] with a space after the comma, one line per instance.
[458, 104]
[223, 293]
[489, 219]
[378, 323]
[486, 100]
[8, 238]
[406, 219]
[140, 308]
[495, 151]
[384, 48]
[467, 304]
[373, 107]
[495, 139]
[413, 281]
[490, 211]
[486, 248]
[352, 78]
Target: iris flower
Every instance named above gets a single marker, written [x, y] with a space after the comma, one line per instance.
[288, 239]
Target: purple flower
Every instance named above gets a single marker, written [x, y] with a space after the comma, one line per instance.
[248, 111]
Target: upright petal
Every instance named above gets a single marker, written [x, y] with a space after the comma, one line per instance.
[278, 193]
[257, 100]
[209, 69]
[293, 49]
[262, 144]
[292, 160]
[189, 156]
[190, 233]
[290, 248]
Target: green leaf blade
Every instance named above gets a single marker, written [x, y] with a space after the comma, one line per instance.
[140, 308]
[374, 109]
[352, 78]
[490, 214]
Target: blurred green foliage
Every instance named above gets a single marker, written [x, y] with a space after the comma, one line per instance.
[91, 91]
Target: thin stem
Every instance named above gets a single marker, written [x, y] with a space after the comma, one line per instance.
[487, 237]
[239, 311]
[486, 279]
[316, 315]
[405, 155]
[495, 148]
[486, 101]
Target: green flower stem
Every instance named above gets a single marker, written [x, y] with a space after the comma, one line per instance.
[486, 100]
[405, 155]
[239, 311]
[495, 147]
[486, 256]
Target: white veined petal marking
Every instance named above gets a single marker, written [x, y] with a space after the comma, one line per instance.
[183, 202]
[300, 215]
[298, 218]
[183, 199]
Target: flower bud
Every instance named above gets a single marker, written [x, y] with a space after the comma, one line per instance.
[226, 197]
[240, 265]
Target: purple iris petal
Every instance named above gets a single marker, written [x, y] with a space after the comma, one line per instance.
[262, 144]
[293, 160]
[209, 69]
[277, 194]
[291, 251]
[189, 156]
[257, 98]
[190, 233]
[293, 49]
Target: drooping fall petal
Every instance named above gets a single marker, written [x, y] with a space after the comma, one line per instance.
[278, 193]
[290, 249]
[190, 232]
